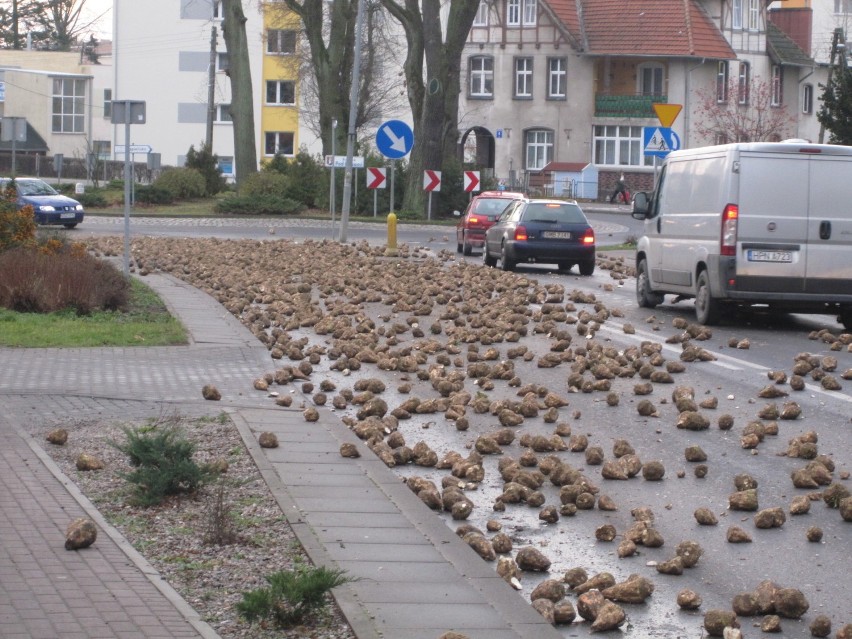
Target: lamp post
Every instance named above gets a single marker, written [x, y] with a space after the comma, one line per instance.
[332, 194]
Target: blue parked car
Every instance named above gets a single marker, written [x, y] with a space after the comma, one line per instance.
[49, 206]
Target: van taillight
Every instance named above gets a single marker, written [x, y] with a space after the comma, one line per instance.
[729, 230]
[521, 234]
[589, 236]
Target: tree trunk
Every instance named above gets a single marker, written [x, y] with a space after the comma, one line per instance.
[242, 98]
[434, 103]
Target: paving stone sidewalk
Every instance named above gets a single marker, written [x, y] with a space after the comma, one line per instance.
[417, 579]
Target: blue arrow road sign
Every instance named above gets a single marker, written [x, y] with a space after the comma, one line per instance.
[659, 141]
[394, 139]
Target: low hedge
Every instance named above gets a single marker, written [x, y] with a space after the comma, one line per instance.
[258, 205]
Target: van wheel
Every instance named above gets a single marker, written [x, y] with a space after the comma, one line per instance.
[645, 297]
[486, 258]
[505, 263]
[587, 267]
[706, 306]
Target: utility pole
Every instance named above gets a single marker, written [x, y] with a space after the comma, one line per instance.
[211, 91]
[353, 112]
[835, 43]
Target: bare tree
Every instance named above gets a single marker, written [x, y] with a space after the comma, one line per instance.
[747, 115]
[242, 99]
[433, 89]
[380, 86]
[52, 24]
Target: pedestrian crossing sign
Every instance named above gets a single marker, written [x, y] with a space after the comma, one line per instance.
[659, 141]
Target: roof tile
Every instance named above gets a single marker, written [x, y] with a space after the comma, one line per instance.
[674, 28]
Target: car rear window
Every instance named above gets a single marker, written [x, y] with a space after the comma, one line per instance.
[555, 212]
[491, 207]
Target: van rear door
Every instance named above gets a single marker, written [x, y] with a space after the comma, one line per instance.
[829, 259]
[773, 222]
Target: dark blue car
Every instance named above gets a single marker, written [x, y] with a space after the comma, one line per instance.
[541, 231]
[49, 206]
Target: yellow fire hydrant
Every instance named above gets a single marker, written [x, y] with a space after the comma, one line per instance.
[391, 250]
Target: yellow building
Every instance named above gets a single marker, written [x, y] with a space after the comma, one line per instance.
[279, 86]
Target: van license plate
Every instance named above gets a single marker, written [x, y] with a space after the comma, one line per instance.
[556, 235]
[769, 256]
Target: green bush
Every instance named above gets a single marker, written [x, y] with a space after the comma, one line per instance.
[291, 595]
[92, 200]
[258, 205]
[164, 464]
[207, 163]
[146, 194]
[265, 183]
[308, 178]
[182, 183]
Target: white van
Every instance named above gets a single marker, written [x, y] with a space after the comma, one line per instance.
[750, 223]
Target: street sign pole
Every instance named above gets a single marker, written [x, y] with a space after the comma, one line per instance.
[375, 202]
[393, 170]
[429, 213]
[127, 112]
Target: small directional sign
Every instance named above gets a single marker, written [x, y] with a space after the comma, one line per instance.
[134, 148]
[471, 180]
[339, 161]
[431, 180]
[376, 178]
[394, 139]
[659, 141]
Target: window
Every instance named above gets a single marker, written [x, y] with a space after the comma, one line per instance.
[221, 61]
[217, 10]
[482, 77]
[226, 164]
[842, 6]
[744, 83]
[539, 148]
[753, 15]
[108, 103]
[556, 75]
[223, 113]
[808, 98]
[620, 145]
[68, 105]
[777, 85]
[650, 77]
[280, 41]
[280, 92]
[513, 13]
[102, 149]
[722, 81]
[737, 15]
[278, 143]
[481, 17]
[530, 7]
[523, 77]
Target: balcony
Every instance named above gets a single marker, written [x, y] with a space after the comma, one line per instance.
[627, 106]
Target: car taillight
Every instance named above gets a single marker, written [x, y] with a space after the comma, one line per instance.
[473, 220]
[521, 234]
[729, 230]
[589, 236]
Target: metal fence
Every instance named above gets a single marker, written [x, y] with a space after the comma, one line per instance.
[101, 172]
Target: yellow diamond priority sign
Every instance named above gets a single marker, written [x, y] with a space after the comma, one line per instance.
[667, 113]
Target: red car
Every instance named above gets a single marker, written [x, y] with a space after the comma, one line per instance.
[480, 214]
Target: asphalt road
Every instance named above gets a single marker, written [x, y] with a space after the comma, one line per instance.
[735, 378]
